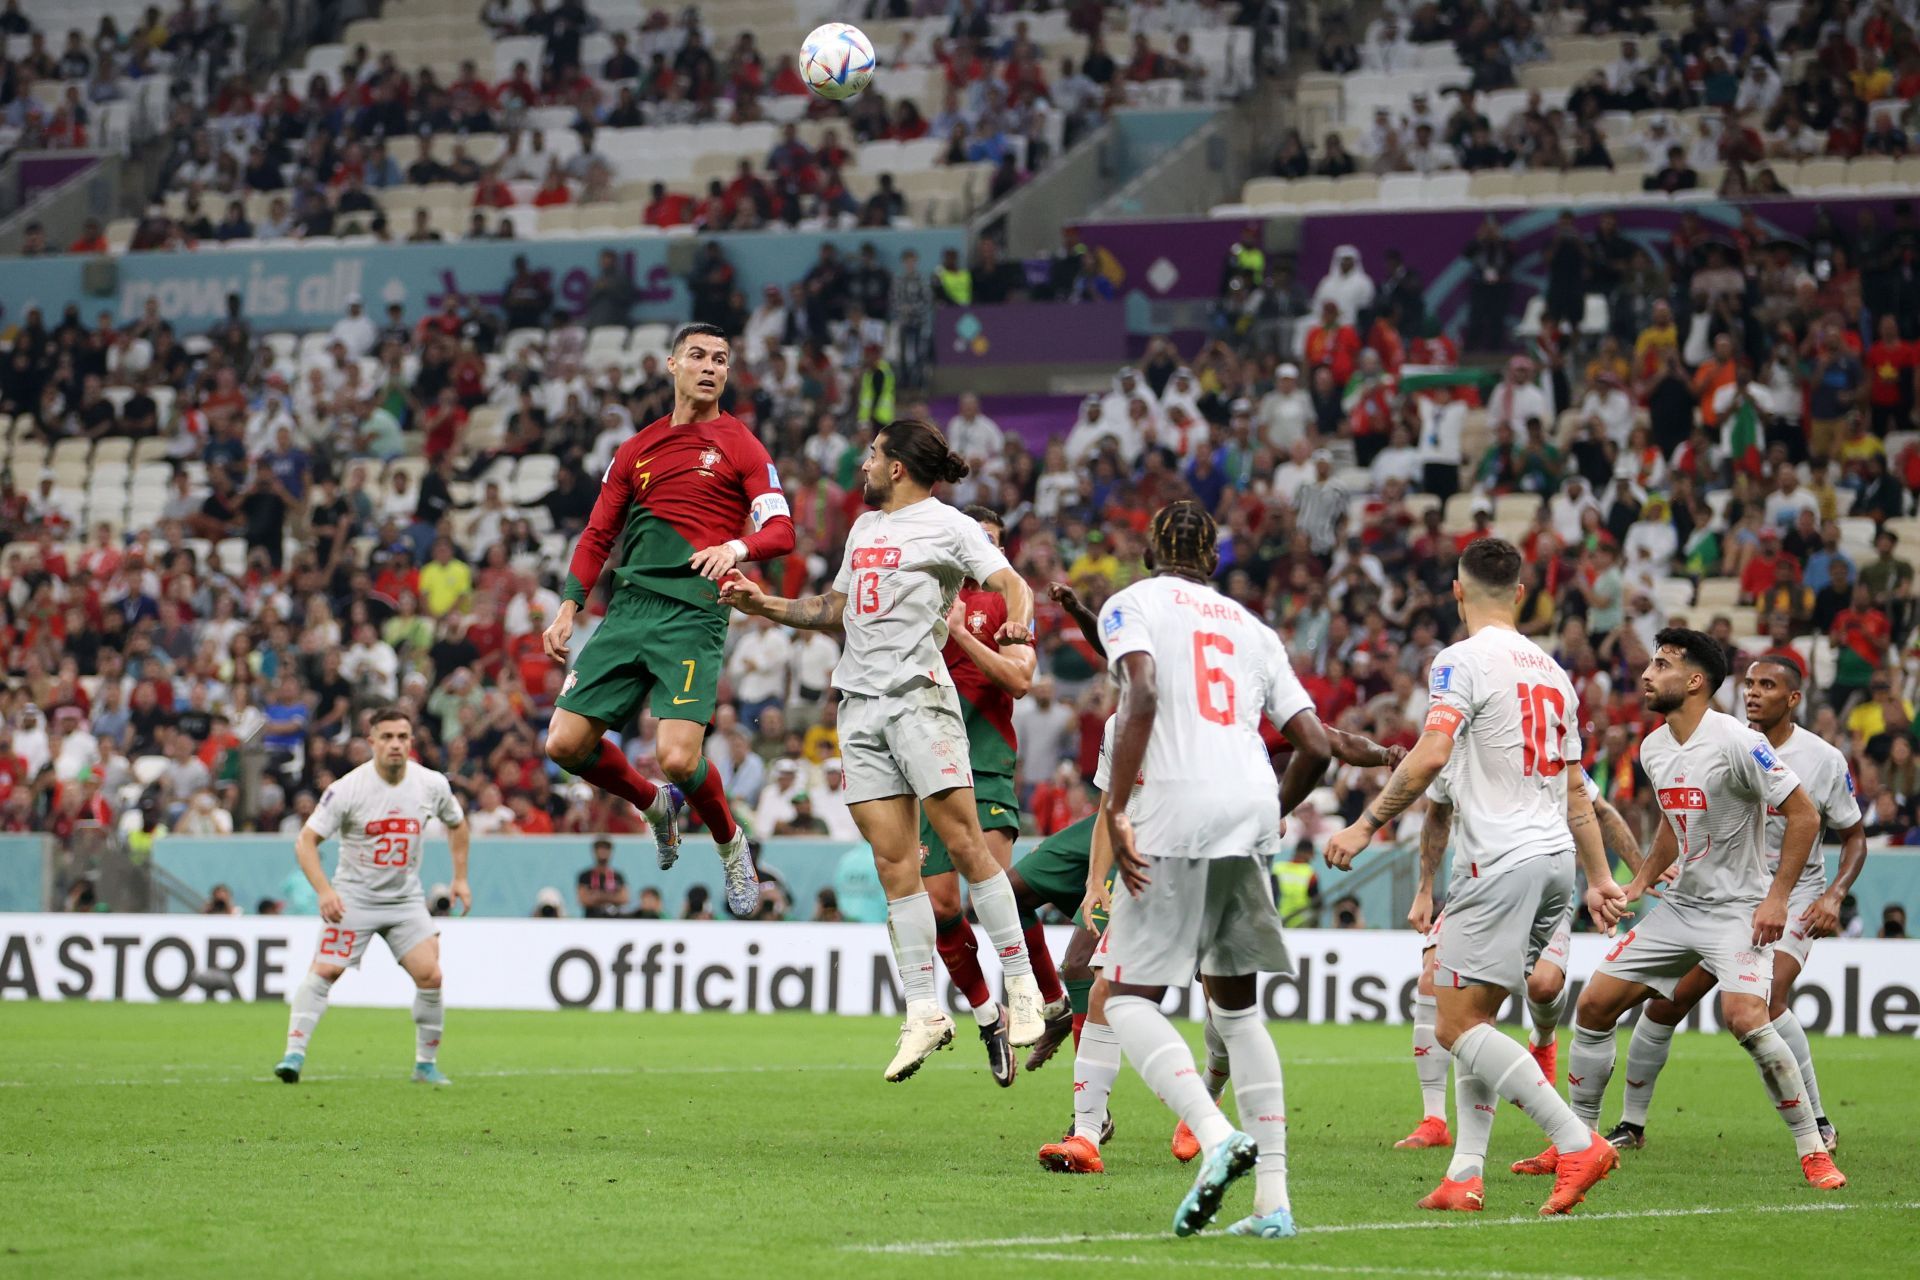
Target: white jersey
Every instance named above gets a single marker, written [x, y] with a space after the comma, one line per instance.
[1512, 713]
[1103, 768]
[380, 827]
[1823, 771]
[1715, 789]
[1209, 790]
[900, 574]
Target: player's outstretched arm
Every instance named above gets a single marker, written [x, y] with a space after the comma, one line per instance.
[1018, 628]
[1133, 726]
[808, 613]
[306, 848]
[1408, 783]
[1312, 752]
[1084, 618]
[1605, 902]
[459, 841]
[1010, 669]
[1434, 829]
[1361, 751]
[1803, 827]
[1823, 915]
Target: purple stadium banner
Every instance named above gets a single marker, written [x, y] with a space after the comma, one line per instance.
[1030, 333]
[1035, 418]
[39, 172]
[1164, 258]
[1431, 241]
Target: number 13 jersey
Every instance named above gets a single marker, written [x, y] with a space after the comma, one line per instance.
[1512, 713]
[1209, 790]
[380, 826]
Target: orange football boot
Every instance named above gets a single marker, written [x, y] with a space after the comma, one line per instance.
[1072, 1154]
[1547, 1056]
[1578, 1172]
[1821, 1172]
[1546, 1162]
[1185, 1145]
[1469, 1196]
[1430, 1132]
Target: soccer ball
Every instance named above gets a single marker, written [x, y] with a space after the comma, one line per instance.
[836, 61]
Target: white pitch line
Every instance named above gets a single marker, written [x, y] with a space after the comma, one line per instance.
[1279, 1264]
[933, 1248]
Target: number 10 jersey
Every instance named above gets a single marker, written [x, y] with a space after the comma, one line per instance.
[1209, 789]
[380, 826]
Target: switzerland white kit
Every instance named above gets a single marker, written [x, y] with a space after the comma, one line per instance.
[1823, 771]
[900, 726]
[1511, 711]
[1715, 790]
[1207, 812]
[380, 826]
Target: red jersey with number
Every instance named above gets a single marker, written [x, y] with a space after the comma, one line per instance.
[986, 707]
[673, 489]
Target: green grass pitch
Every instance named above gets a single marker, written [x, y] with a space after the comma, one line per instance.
[152, 1141]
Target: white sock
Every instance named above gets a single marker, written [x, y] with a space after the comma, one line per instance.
[1430, 1059]
[1219, 1061]
[1646, 1055]
[1096, 1065]
[1473, 1104]
[309, 1002]
[1511, 1073]
[429, 1020]
[1784, 1085]
[1545, 1016]
[910, 924]
[1589, 1067]
[999, 914]
[1259, 1091]
[1166, 1064]
[1789, 1029]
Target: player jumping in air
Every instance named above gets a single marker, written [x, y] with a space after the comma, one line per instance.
[1813, 910]
[988, 681]
[1546, 980]
[379, 811]
[901, 731]
[1197, 672]
[675, 498]
[1073, 871]
[1501, 725]
[1715, 780]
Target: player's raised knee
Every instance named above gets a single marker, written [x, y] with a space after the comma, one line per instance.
[678, 760]
[568, 744]
[431, 982]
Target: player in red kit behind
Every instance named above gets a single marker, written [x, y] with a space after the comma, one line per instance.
[676, 498]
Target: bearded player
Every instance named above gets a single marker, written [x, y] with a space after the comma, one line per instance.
[675, 497]
[1714, 779]
[1502, 724]
[988, 679]
[379, 811]
[1546, 980]
[1813, 907]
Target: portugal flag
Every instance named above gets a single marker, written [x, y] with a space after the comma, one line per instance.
[1743, 437]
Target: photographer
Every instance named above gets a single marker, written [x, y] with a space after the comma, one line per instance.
[601, 889]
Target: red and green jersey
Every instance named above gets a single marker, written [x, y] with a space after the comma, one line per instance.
[674, 489]
[984, 705]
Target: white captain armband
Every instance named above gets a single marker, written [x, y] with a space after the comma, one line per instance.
[766, 507]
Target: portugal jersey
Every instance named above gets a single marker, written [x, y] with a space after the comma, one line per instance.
[674, 489]
[1715, 789]
[1208, 790]
[984, 705]
[1823, 771]
[380, 826]
[1510, 710]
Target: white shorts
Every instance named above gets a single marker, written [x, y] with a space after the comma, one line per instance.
[1796, 942]
[1496, 926]
[1555, 951]
[1663, 948]
[402, 928]
[912, 743]
[1212, 916]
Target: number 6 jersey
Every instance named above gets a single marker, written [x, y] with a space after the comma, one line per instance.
[380, 828]
[1511, 711]
[1209, 790]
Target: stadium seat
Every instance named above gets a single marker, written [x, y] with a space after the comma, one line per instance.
[1818, 175]
[1906, 531]
[1718, 593]
[1356, 188]
[1458, 513]
[1674, 594]
[1516, 506]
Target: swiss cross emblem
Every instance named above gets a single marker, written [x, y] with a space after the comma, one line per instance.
[977, 620]
[709, 458]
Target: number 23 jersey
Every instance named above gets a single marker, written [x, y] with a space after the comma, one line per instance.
[380, 826]
[1511, 711]
[1209, 789]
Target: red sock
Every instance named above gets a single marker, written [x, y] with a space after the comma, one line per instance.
[709, 799]
[1079, 1021]
[1043, 971]
[960, 952]
[615, 775]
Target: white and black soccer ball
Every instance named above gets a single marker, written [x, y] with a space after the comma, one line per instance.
[836, 61]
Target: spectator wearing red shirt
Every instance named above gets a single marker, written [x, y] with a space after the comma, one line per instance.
[1758, 577]
[1333, 344]
[92, 238]
[1052, 803]
[667, 208]
[1890, 363]
[443, 421]
[529, 820]
[492, 191]
[553, 189]
[1861, 633]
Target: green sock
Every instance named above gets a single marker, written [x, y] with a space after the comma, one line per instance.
[699, 776]
[1077, 991]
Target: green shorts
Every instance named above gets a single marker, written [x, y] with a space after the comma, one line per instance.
[999, 810]
[1056, 869]
[653, 646]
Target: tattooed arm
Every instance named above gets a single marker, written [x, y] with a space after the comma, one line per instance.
[809, 613]
[1606, 902]
[1408, 783]
[1433, 847]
